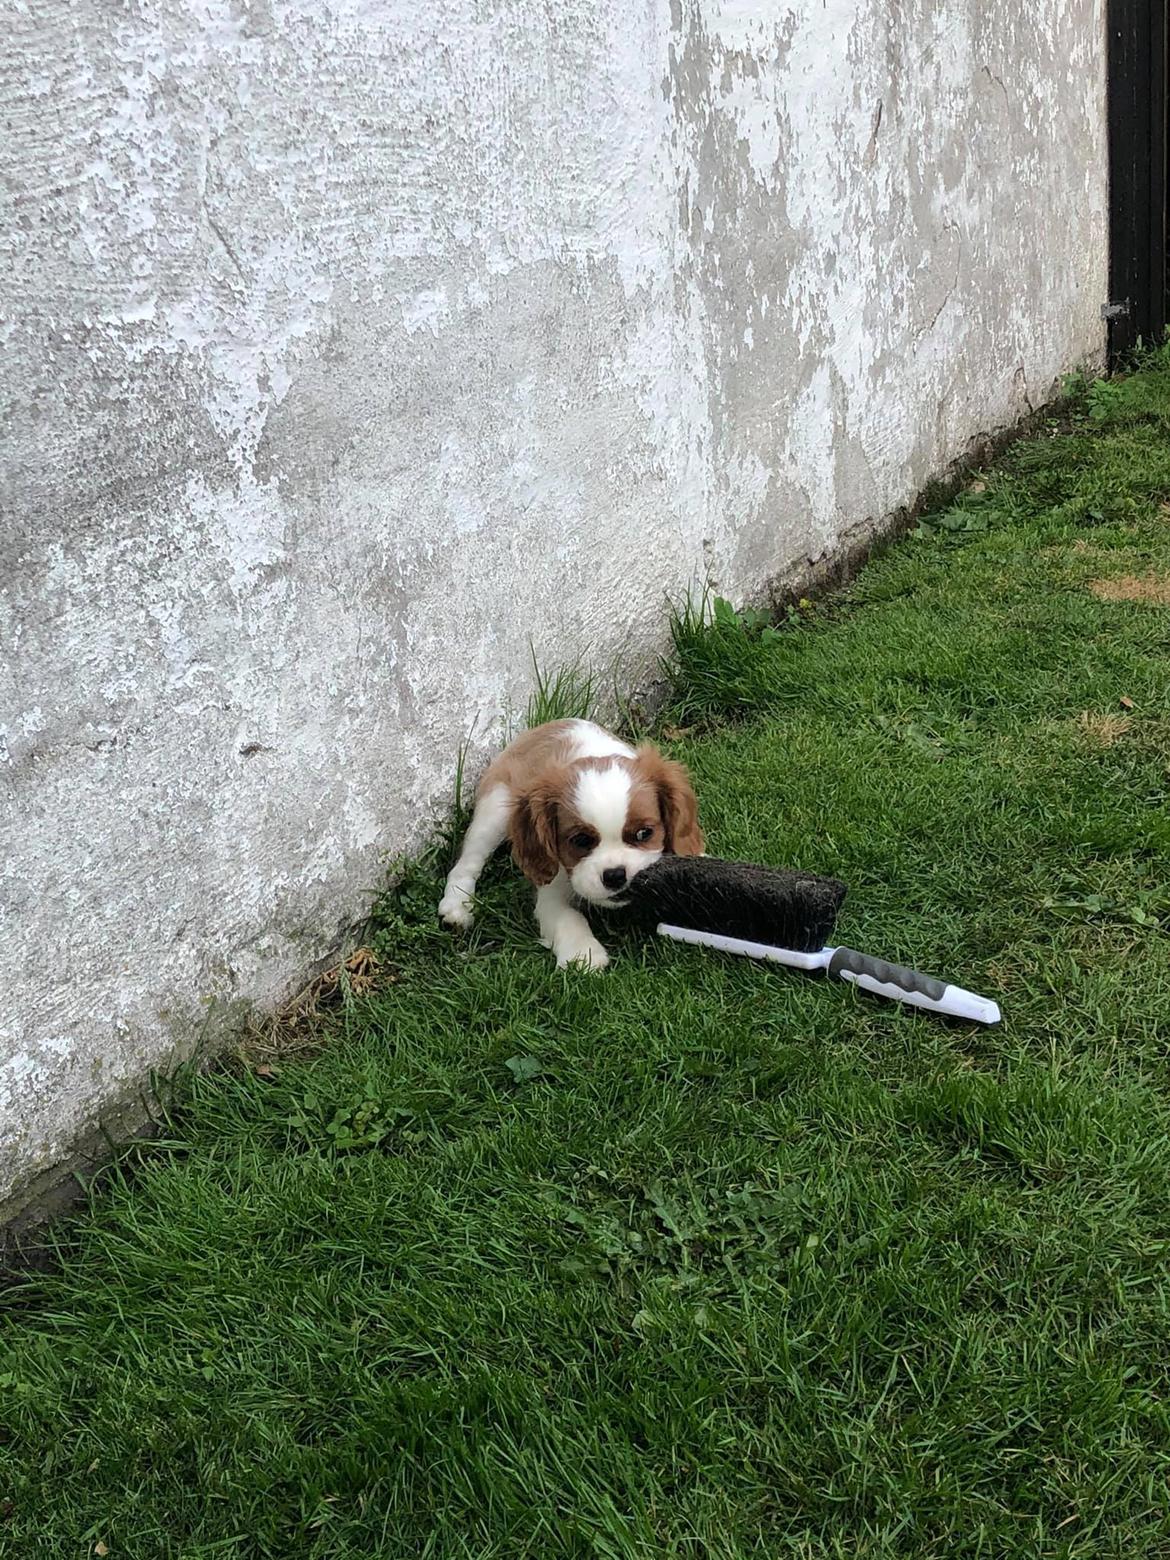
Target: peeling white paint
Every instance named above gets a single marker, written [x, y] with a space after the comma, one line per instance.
[354, 349]
[426, 310]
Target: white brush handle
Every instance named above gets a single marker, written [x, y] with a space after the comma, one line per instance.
[894, 981]
[751, 950]
[901, 984]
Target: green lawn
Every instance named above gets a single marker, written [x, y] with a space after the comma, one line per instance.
[696, 1257]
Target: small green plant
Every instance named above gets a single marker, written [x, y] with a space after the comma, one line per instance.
[710, 1242]
[1145, 907]
[746, 620]
[403, 925]
[359, 1120]
[569, 693]
[523, 1068]
[726, 659]
[1104, 398]
[957, 522]
[1074, 387]
[757, 622]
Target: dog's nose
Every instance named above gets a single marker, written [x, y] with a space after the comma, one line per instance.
[614, 877]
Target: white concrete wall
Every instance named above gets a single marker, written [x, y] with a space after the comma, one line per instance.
[350, 344]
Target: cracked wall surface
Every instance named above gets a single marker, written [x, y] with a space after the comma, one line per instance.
[350, 346]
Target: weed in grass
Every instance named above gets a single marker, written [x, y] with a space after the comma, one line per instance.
[568, 693]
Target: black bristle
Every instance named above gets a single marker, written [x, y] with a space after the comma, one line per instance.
[737, 899]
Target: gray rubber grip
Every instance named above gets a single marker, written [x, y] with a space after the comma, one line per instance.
[889, 974]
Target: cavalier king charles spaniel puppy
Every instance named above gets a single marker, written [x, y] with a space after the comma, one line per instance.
[584, 813]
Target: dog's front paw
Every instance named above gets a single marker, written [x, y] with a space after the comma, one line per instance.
[455, 910]
[585, 951]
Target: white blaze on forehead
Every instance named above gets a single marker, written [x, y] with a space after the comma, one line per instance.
[593, 741]
[602, 798]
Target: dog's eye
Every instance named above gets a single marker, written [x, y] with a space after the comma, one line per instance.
[581, 841]
[642, 836]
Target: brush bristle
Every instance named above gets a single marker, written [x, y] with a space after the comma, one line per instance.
[759, 904]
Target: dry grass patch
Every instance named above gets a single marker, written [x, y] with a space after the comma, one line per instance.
[297, 1026]
[1102, 730]
[1151, 590]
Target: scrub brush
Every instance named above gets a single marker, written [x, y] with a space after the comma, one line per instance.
[783, 916]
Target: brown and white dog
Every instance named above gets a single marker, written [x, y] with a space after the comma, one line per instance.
[584, 813]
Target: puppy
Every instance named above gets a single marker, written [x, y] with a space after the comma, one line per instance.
[584, 813]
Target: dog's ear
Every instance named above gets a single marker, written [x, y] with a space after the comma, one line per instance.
[676, 802]
[533, 829]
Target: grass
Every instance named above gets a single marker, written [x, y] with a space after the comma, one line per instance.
[698, 1258]
[569, 693]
